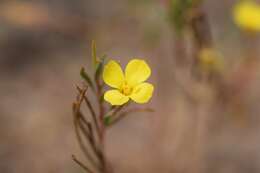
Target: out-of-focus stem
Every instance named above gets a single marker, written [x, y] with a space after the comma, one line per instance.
[200, 27]
[180, 51]
[202, 36]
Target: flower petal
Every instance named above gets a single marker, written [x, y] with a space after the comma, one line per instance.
[137, 71]
[114, 97]
[113, 74]
[247, 15]
[142, 93]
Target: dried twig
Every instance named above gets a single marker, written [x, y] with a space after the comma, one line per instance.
[84, 149]
[91, 109]
[82, 165]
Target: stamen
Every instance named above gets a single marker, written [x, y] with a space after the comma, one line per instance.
[126, 89]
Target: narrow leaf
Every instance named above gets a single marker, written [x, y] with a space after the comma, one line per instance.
[107, 120]
[100, 67]
[86, 77]
[94, 54]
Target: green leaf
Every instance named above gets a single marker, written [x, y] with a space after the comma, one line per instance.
[99, 67]
[86, 77]
[101, 99]
[107, 120]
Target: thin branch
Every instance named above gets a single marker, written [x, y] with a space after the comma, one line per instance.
[81, 143]
[123, 114]
[115, 110]
[88, 133]
[91, 136]
[91, 109]
[81, 164]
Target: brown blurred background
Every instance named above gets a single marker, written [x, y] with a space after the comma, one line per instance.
[43, 44]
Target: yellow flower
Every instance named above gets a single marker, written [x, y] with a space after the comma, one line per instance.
[246, 15]
[128, 85]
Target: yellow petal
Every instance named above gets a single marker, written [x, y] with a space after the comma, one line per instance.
[113, 74]
[114, 97]
[247, 15]
[142, 93]
[137, 71]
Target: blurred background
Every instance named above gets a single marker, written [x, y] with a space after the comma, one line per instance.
[43, 45]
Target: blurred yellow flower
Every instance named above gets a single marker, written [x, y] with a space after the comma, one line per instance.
[246, 15]
[210, 60]
[128, 85]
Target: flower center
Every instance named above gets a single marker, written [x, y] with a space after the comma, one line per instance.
[126, 89]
